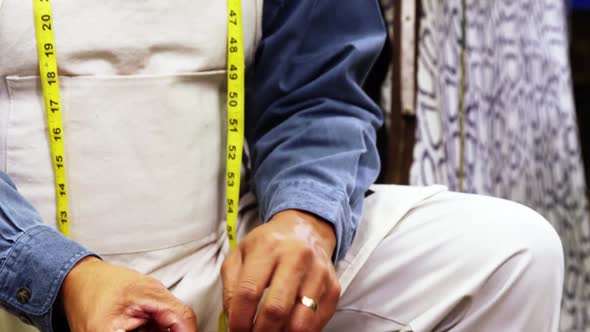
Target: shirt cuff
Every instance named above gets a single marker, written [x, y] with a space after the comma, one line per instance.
[33, 272]
[310, 196]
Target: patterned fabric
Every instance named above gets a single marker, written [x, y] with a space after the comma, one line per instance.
[521, 138]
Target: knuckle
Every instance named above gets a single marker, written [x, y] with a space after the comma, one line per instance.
[238, 326]
[306, 253]
[322, 272]
[130, 289]
[254, 238]
[145, 283]
[275, 311]
[224, 267]
[238, 323]
[227, 299]
[298, 325]
[188, 314]
[248, 290]
[271, 244]
[336, 289]
[226, 305]
[303, 256]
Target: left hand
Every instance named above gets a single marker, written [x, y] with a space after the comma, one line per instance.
[98, 296]
[291, 255]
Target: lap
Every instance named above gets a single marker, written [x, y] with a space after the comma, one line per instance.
[439, 253]
[11, 323]
[417, 253]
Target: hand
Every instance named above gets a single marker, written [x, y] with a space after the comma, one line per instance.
[98, 296]
[291, 256]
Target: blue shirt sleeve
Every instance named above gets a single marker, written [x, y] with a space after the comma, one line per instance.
[310, 126]
[34, 259]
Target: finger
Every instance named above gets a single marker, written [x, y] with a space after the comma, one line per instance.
[329, 302]
[176, 317]
[255, 274]
[163, 308]
[302, 317]
[133, 323]
[230, 275]
[280, 298]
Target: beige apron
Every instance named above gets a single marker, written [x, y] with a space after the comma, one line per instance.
[143, 107]
[143, 95]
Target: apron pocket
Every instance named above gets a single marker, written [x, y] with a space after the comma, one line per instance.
[144, 157]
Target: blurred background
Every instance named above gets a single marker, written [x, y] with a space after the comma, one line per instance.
[493, 97]
[580, 55]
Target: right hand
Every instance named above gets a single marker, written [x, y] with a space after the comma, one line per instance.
[99, 297]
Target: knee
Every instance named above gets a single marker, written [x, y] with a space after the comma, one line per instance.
[530, 247]
[538, 240]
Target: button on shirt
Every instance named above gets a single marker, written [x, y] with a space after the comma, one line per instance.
[310, 126]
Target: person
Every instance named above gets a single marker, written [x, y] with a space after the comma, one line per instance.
[321, 248]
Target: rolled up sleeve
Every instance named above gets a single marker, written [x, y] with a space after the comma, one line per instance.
[310, 126]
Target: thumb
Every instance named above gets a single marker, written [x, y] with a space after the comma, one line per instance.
[162, 321]
[162, 312]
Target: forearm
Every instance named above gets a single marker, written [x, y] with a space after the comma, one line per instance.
[314, 129]
[34, 259]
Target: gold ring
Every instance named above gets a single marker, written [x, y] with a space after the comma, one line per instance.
[308, 302]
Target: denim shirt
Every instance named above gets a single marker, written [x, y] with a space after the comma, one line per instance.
[311, 130]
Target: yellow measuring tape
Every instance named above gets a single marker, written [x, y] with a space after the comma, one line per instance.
[235, 115]
[46, 50]
[50, 82]
[235, 123]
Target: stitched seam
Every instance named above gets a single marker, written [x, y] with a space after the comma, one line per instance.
[282, 186]
[30, 232]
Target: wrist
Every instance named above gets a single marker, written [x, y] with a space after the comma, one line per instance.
[74, 282]
[323, 228]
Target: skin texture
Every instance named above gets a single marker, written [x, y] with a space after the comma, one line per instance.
[291, 256]
[98, 296]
